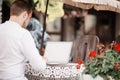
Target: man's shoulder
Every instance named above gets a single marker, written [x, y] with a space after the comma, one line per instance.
[25, 31]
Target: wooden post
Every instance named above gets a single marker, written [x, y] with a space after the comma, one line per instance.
[44, 27]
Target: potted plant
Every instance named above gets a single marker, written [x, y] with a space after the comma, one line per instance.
[106, 63]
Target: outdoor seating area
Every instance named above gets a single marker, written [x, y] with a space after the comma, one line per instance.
[59, 39]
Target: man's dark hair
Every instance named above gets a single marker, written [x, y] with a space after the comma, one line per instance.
[19, 6]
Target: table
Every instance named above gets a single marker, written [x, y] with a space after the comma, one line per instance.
[54, 72]
[59, 72]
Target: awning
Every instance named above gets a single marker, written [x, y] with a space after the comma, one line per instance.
[111, 5]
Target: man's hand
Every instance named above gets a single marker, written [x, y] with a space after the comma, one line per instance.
[45, 59]
[42, 52]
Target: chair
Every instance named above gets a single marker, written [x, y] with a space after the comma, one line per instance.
[82, 46]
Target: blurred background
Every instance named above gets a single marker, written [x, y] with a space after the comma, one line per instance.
[65, 22]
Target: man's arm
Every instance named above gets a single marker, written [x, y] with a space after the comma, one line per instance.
[31, 53]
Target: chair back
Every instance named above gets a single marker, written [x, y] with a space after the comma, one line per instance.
[82, 46]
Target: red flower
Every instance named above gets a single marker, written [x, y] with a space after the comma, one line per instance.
[116, 67]
[92, 54]
[117, 47]
[78, 66]
[79, 62]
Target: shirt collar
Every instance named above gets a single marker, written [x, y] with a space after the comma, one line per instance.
[15, 23]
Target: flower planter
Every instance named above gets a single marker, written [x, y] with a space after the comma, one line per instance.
[89, 77]
[106, 63]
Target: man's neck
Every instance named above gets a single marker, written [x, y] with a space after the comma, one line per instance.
[16, 19]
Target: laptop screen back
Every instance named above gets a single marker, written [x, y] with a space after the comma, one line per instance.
[58, 52]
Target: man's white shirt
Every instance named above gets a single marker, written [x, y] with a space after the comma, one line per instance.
[17, 46]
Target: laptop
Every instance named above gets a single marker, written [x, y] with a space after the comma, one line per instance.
[58, 52]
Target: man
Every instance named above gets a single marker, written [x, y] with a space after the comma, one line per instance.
[17, 45]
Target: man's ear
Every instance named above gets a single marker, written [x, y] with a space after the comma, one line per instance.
[25, 15]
